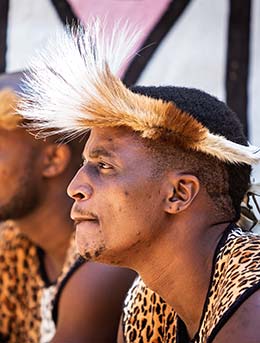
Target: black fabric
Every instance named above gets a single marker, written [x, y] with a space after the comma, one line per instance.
[238, 55]
[4, 6]
[154, 39]
[4, 339]
[65, 11]
[78, 263]
[182, 334]
[42, 270]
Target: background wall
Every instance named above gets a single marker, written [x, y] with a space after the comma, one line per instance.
[213, 45]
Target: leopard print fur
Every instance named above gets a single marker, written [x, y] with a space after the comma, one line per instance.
[25, 298]
[236, 275]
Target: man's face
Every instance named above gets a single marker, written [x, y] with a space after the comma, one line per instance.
[18, 189]
[118, 207]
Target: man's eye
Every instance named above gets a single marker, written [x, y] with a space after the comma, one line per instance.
[98, 165]
[102, 165]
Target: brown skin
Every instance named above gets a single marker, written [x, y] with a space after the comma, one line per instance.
[125, 214]
[34, 175]
[243, 326]
[97, 314]
[120, 331]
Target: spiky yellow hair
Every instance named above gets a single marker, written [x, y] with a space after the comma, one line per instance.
[73, 87]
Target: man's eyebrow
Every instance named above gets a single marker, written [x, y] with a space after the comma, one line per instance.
[99, 151]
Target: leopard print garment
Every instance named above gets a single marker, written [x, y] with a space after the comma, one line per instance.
[25, 295]
[236, 275]
[147, 317]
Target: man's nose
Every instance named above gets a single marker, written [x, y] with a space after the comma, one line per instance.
[79, 189]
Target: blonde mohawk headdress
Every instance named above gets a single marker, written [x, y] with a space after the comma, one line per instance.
[73, 86]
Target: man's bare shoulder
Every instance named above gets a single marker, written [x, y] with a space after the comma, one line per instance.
[91, 302]
[243, 326]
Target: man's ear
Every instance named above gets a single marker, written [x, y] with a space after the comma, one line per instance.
[56, 158]
[182, 190]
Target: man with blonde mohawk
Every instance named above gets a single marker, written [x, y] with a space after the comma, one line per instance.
[38, 259]
[165, 170]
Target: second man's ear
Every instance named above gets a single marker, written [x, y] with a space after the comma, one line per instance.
[56, 158]
[182, 191]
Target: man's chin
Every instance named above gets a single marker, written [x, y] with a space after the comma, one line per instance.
[89, 254]
[90, 245]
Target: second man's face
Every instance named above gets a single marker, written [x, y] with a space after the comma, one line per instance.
[18, 175]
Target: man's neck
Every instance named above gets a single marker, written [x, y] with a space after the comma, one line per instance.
[181, 272]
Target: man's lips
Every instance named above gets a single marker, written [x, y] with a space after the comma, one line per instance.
[78, 220]
[79, 215]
